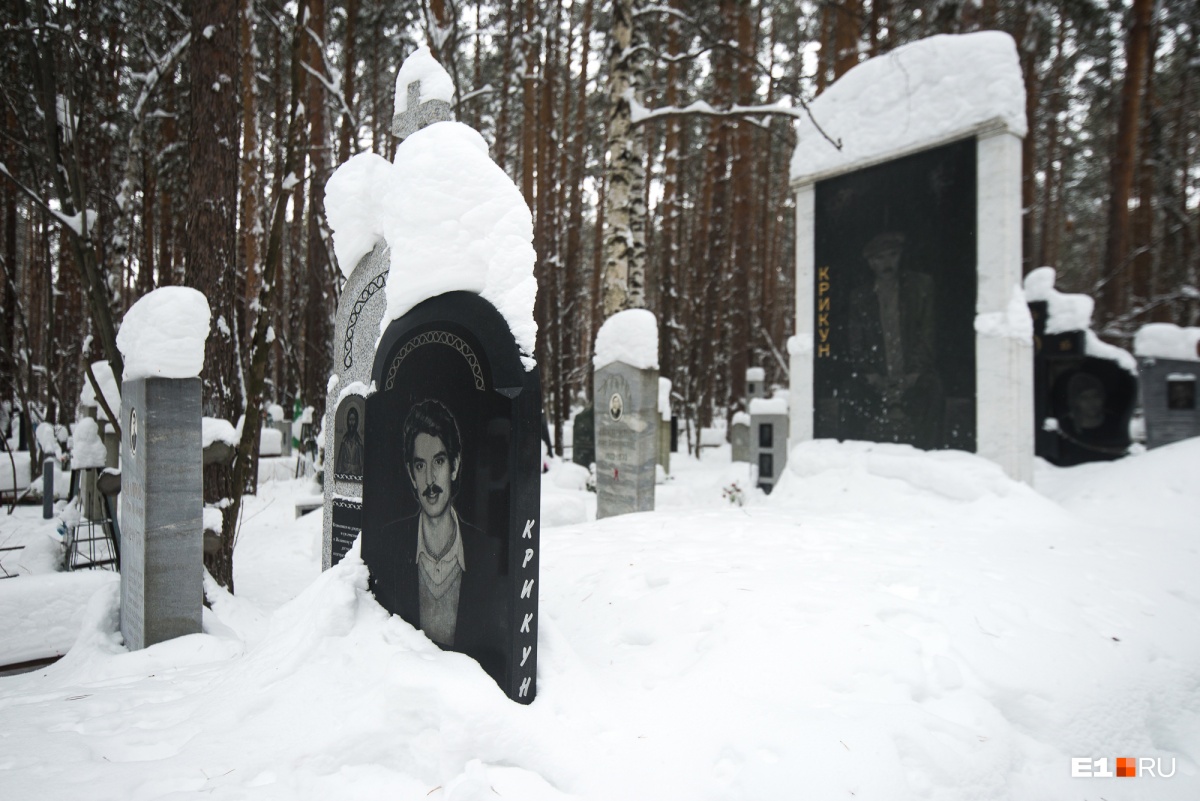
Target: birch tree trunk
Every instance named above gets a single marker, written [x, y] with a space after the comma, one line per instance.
[623, 283]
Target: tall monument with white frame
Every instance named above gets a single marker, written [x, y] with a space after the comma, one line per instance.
[911, 326]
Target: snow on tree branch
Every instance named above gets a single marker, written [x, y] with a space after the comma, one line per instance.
[639, 113]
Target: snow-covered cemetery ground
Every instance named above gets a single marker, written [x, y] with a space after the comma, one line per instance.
[888, 624]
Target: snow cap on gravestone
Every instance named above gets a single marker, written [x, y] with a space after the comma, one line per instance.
[629, 336]
[163, 334]
[424, 94]
[109, 385]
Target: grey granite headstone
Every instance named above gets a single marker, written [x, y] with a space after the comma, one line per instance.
[739, 438]
[356, 328]
[162, 592]
[418, 114]
[756, 380]
[1169, 402]
[627, 418]
[768, 440]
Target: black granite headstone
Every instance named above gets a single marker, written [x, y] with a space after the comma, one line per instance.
[451, 486]
[583, 438]
[1090, 400]
[895, 294]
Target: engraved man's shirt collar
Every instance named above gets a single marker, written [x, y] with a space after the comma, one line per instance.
[439, 570]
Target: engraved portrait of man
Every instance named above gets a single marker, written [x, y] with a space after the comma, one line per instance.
[892, 330]
[448, 567]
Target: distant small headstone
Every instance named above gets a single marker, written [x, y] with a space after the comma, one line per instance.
[627, 416]
[739, 437]
[161, 553]
[583, 437]
[664, 423]
[1169, 366]
[768, 439]
[1085, 390]
[756, 378]
[276, 421]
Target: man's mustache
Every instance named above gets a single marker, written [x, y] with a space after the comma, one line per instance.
[432, 491]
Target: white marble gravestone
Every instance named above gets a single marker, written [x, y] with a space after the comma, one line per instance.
[768, 439]
[930, 108]
[626, 392]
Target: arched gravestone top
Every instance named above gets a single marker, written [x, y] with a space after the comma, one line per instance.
[454, 447]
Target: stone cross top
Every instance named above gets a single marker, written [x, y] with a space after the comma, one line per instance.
[418, 115]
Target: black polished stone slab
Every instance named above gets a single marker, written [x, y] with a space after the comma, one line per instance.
[894, 358]
[453, 358]
[583, 437]
[1089, 400]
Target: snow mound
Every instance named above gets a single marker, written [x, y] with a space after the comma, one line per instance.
[214, 429]
[1072, 312]
[87, 448]
[756, 374]
[103, 372]
[1150, 490]
[436, 83]
[1014, 322]
[1064, 311]
[768, 406]
[880, 474]
[354, 208]
[918, 94]
[163, 334]
[1167, 341]
[630, 337]
[42, 615]
[452, 220]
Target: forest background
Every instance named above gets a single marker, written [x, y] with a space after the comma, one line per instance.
[152, 142]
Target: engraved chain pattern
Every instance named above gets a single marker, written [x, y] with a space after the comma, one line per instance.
[437, 338]
[370, 289]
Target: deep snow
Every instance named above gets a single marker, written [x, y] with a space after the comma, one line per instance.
[889, 624]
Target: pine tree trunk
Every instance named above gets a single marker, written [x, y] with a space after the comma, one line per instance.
[211, 237]
[1114, 293]
[319, 279]
[250, 187]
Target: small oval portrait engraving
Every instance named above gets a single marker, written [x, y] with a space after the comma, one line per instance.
[616, 406]
[133, 432]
